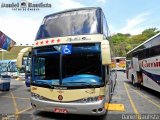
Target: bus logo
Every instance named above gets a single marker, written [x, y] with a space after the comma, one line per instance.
[66, 49]
[146, 64]
[60, 97]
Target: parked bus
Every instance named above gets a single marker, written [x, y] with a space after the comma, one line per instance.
[12, 69]
[4, 67]
[9, 67]
[119, 63]
[144, 65]
[71, 61]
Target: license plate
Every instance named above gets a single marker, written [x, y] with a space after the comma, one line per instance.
[58, 110]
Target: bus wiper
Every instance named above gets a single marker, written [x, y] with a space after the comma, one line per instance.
[85, 84]
[42, 83]
[88, 84]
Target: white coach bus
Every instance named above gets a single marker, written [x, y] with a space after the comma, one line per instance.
[145, 63]
[70, 62]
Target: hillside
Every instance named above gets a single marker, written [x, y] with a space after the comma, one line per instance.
[12, 54]
[122, 43]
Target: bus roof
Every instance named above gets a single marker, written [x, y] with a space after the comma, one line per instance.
[70, 10]
[143, 43]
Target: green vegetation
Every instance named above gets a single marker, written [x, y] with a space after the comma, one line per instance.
[125, 42]
[12, 54]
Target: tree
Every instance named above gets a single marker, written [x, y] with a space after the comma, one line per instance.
[125, 42]
[150, 32]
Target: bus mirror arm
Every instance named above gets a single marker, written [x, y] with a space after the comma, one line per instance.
[21, 55]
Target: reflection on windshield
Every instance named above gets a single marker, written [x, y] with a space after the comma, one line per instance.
[75, 22]
[82, 79]
[78, 68]
[4, 66]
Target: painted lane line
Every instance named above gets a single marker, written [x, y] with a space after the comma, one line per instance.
[24, 110]
[132, 103]
[147, 98]
[15, 105]
[16, 97]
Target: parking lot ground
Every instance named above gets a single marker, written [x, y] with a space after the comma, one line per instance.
[15, 104]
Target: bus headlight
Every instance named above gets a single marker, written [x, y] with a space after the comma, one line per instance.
[36, 96]
[93, 99]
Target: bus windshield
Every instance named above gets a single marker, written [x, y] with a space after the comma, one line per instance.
[12, 66]
[75, 22]
[81, 67]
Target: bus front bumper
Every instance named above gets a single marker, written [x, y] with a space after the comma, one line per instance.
[94, 108]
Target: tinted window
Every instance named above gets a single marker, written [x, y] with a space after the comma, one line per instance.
[147, 45]
[71, 23]
[156, 41]
[155, 50]
[105, 27]
[145, 53]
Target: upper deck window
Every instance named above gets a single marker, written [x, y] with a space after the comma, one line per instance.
[71, 23]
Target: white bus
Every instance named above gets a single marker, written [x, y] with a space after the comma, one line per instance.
[145, 63]
[119, 63]
[9, 67]
[71, 61]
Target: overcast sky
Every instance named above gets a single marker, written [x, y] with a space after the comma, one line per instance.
[123, 16]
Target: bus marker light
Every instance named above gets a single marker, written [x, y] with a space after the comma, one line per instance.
[36, 43]
[47, 42]
[41, 42]
[58, 40]
[52, 41]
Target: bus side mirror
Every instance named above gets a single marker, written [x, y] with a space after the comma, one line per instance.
[19, 60]
[21, 55]
[105, 52]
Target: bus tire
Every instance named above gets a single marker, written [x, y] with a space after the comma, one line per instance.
[133, 80]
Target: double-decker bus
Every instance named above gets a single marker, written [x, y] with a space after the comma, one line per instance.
[71, 62]
[144, 64]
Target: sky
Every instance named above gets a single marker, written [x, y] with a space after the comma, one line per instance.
[123, 16]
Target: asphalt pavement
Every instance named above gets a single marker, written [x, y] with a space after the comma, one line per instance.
[138, 104]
